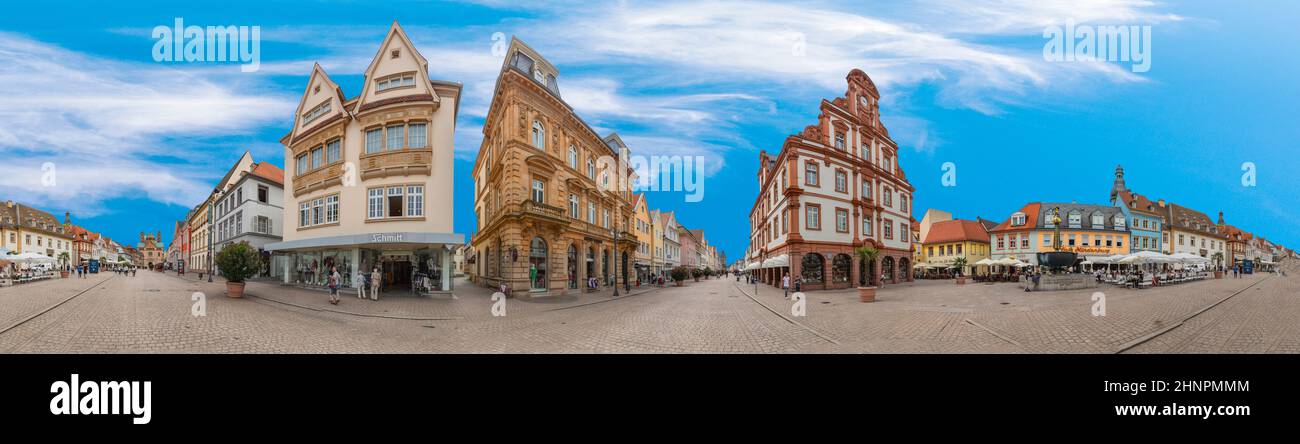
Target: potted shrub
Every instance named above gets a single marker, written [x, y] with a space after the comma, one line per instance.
[1218, 265]
[868, 255]
[960, 263]
[679, 274]
[708, 272]
[237, 263]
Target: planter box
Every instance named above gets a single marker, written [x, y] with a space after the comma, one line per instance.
[867, 294]
[235, 289]
[961, 280]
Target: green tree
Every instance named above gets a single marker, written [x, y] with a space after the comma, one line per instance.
[868, 255]
[238, 262]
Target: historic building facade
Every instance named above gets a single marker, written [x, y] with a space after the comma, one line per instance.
[644, 232]
[368, 180]
[552, 209]
[149, 251]
[24, 229]
[251, 209]
[832, 188]
[946, 241]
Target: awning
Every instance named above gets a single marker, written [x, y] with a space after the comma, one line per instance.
[777, 262]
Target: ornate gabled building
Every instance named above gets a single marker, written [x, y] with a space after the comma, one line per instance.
[149, 253]
[553, 210]
[834, 187]
[368, 179]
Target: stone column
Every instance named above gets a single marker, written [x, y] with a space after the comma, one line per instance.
[447, 271]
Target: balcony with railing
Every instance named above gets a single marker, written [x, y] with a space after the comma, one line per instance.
[324, 177]
[397, 163]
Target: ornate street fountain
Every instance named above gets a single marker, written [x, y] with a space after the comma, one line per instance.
[1057, 259]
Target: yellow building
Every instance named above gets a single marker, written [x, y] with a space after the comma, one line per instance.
[658, 265]
[553, 209]
[949, 240]
[644, 232]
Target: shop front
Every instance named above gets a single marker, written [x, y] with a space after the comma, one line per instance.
[419, 263]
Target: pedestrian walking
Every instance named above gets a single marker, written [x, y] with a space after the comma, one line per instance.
[333, 281]
[785, 285]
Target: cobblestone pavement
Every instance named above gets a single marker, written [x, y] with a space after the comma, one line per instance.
[151, 313]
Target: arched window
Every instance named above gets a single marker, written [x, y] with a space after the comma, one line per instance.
[887, 269]
[537, 264]
[812, 268]
[539, 135]
[840, 268]
[591, 168]
[573, 157]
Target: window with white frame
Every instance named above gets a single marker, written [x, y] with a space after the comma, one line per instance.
[539, 135]
[317, 111]
[415, 200]
[375, 203]
[591, 213]
[573, 206]
[573, 157]
[304, 215]
[262, 224]
[418, 135]
[374, 140]
[333, 151]
[396, 81]
[866, 227]
[317, 211]
[396, 136]
[591, 168]
[539, 191]
[395, 201]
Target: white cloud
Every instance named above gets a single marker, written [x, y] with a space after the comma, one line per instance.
[105, 124]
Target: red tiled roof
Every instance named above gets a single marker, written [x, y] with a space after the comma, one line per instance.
[956, 230]
[269, 172]
[1031, 214]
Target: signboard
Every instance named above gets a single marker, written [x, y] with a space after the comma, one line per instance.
[1248, 266]
[379, 238]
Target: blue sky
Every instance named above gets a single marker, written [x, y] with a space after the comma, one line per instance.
[136, 143]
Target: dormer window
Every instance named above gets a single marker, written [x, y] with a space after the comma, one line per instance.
[1075, 219]
[541, 78]
[317, 111]
[1119, 221]
[1018, 219]
[1098, 221]
[523, 62]
[395, 81]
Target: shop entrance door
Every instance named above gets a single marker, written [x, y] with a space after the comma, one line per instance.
[397, 274]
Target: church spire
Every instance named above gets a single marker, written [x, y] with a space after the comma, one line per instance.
[1119, 184]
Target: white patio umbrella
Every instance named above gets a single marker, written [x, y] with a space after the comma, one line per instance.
[985, 261]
